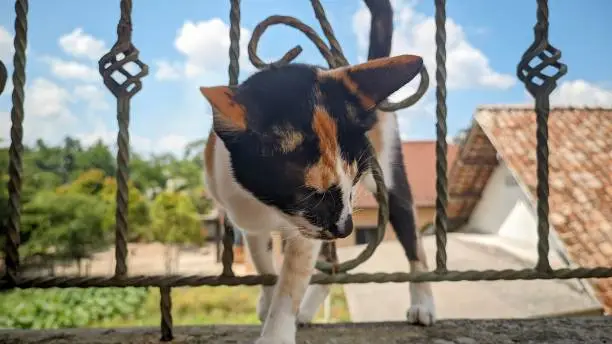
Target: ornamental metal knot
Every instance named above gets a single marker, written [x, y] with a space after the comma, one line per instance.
[540, 68]
[122, 70]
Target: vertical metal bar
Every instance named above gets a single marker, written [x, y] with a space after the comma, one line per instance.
[441, 148]
[234, 73]
[541, 86]
[227, 258]
[123, 160]
[542, 111]
[112, 67]
[13, 224]
[165, 304]
[234, 49]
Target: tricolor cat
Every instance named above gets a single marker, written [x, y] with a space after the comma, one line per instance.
[285, 152]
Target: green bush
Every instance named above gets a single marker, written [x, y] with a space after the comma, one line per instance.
[72, 307]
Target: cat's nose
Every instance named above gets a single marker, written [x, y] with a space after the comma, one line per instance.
[345, 229]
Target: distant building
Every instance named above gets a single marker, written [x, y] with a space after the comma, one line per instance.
[492, 186]
[420, 164]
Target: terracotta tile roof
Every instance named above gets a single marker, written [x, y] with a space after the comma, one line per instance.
[580, 175]
[420, 164]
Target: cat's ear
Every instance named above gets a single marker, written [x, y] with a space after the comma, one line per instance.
[228, 115]
[375, 80]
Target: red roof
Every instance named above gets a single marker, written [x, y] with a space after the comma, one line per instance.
[420, 164]
[580, 161]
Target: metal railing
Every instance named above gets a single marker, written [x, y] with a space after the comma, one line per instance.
[123, 52]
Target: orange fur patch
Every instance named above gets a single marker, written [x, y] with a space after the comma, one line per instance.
[384, 62]
[322, 175]
[341, 75]
[230, 114]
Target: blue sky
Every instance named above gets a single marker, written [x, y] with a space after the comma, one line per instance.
[185, 45]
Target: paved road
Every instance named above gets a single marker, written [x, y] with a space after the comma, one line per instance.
[498, 299]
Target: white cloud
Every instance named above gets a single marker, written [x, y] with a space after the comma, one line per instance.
[6, 45]
[172, 143]
[47, 99]
[168, 70]
[205, 46]
[581, 93]
[414, 33]
[72, 70]
[79, 44]
[47, 113]
[94, 95]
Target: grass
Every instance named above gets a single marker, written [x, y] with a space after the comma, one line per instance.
[215, 305]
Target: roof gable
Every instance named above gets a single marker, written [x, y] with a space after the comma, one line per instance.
[580, 174]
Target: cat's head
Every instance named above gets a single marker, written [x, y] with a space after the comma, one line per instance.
[296, 135]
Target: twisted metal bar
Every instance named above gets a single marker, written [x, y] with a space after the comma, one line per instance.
[227, 257]
[234, 73]
[3, 76]
[234, 49]
[333, 56]
[251, 280]
[336, 48]
[121, 213]
[20, 42]
[295, 23]
[165, 304]
[441, 148]
[541, 86]
[113, 63]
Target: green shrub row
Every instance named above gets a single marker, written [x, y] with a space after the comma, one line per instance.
[65, 308]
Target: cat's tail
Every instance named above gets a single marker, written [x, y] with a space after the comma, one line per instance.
[381, 28]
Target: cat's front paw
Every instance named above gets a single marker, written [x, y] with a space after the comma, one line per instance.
[421, 314]
[275, 340]
[423, 309]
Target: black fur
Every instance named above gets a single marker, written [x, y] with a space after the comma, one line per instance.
[285, 97]
[401, 213]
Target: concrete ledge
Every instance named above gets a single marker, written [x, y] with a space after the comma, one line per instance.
[591, 330]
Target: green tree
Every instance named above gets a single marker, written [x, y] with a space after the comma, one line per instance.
[96, 156]
[138, 210]
[94, 182]
[66, 225]
[174, 221]
[147, 174]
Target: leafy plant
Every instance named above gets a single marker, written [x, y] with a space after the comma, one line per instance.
[66, 308]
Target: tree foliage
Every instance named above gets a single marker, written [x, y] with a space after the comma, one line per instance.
[69, 198]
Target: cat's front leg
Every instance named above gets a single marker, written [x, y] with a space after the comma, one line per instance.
[263, 260]
[298, 265]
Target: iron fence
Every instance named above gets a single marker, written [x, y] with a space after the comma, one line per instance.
[537, 83]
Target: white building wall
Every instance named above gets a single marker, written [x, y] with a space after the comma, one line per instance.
[504, 209]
